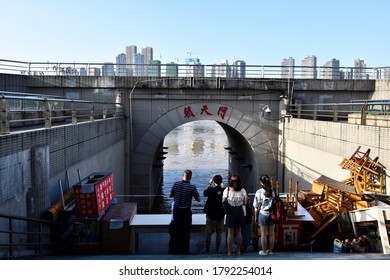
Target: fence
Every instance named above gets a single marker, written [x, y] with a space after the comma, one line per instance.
[365, 112]
[22, 236]
[193, 70]
[21, 110]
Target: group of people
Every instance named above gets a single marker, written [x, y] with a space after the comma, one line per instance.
[238, 217]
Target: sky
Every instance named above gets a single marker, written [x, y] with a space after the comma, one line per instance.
[260, 32]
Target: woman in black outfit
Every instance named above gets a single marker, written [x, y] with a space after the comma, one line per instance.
[236, 196]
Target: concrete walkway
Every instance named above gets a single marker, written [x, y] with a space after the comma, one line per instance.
[154, 246]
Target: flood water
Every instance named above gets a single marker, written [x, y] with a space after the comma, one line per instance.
[199, 146]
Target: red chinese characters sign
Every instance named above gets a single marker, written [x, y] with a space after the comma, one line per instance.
[204, 110]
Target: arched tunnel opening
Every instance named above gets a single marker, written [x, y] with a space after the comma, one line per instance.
[207, 148]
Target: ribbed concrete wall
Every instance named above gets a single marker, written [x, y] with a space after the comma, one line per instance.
[90, 147]
[382, 90]
[315, 148]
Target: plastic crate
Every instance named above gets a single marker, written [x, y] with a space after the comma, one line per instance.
[94, 194]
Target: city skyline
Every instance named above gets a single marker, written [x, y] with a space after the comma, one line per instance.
[257, 32]
[133, 63]
[129, 59]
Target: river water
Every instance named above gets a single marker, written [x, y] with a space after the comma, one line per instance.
[199, 146]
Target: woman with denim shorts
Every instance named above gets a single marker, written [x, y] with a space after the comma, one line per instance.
[262, 205]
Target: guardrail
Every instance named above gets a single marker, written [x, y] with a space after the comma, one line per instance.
[21, 110]
[369, 112]
[192, 70]
[27, 236]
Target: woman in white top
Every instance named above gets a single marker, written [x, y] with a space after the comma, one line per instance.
[236, 196]
[262, 204]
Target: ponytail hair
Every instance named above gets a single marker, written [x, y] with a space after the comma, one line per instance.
[264, 179]
[266, 185]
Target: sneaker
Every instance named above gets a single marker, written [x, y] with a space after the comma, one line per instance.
[269, 252]
[261, 253]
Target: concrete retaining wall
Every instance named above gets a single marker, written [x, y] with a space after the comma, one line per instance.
[382, 90]
[90, 147]
[315, 148]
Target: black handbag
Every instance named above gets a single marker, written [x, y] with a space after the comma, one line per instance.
[226, 205]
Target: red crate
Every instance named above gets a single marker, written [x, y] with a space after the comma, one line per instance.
[94, 194]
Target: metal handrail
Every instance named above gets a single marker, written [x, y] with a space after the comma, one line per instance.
[366, 112]
[193, 70]
[26, 109]
[41, 240]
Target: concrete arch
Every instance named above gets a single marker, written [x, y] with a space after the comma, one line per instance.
[250, 151]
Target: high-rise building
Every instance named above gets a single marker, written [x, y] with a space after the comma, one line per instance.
[139, 65]
[194, 68]
[239, 69]
[381, 73]
[108, 69]
[131, 52]
[121, 65]
[346, 74]
[331, 69]
[95, 71]
[309, 67]
[221, 69]
[147, 52]
[288, 67]
[172, 70]
[154, 68]
[83, 71]
[359, 69]
[386, 73]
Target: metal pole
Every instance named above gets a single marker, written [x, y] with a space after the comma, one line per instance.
[92, 113]
[4, 117]
[62, 194]
[48, 113]
[131, 115]
[78, 173]
[74, 113]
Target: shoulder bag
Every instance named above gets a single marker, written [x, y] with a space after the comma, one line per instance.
[225, 204]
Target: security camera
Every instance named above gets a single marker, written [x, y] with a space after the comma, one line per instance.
[266, 111]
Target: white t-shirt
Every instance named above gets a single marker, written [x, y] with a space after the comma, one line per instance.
[236, 198]
[261, 200]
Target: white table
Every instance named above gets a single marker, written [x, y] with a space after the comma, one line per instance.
[159, 223]
[381, 214]
[301, 215]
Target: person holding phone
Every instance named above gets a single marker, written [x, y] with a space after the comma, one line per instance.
[214, 214]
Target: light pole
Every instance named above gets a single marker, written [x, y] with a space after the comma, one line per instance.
[131, 115]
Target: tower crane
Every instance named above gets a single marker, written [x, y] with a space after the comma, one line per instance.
[191, 53]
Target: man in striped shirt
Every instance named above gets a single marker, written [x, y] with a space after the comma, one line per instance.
[182, 193]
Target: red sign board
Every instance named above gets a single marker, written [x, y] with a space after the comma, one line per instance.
[94, 194]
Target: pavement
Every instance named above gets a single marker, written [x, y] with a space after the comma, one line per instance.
[154, 246]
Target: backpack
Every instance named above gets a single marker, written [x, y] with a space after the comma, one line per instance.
[248, 217]
[267, 204]
[279, 213]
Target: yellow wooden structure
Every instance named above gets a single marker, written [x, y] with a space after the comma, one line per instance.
[366, 174]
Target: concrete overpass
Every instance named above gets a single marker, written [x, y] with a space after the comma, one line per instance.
[131, 146]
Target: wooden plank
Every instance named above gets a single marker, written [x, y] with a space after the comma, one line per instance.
[335, 184]
[323, 227]
[317, 187]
